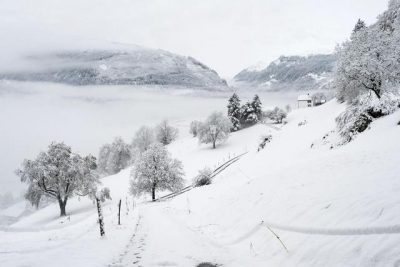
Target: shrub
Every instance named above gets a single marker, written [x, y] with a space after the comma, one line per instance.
[359, 115]
[203, 178]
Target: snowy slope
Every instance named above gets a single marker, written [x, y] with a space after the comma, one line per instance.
[324, 203]
[45, 239]
[289, 73]
[139, 66]
[330, 207]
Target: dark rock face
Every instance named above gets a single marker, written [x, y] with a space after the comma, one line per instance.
[130, 67]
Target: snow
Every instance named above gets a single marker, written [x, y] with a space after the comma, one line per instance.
[329, 207]
[103, 67]
[303, 97]
[261, 65]
[15, 210]
[317, 77]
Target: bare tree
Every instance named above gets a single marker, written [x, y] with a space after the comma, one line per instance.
[165, 133]
[144, 137]
[215, 129]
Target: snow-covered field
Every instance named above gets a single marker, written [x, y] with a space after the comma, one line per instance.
[330, 207]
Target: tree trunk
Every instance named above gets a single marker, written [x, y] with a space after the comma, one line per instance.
[119, 212]
[153, 192]
[62, 206]
[100, 213]
[213, 144]
[377, 93]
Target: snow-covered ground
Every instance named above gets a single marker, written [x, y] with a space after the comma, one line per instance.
[330, 205]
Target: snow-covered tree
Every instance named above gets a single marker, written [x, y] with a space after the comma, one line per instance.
[277, 114]
[194, 126]
[234, 112]
[360, 25]
[155, 170]
[102, 160]
[59, 174]
[367, 75]
[165, 133]
[119, 157]
[215, 129]
[257, 106]
[368, 62]
[358, 116]
[248, 114]
[144, 137]
[318, 97]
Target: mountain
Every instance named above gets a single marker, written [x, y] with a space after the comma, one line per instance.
[289, 73]
[138, 66]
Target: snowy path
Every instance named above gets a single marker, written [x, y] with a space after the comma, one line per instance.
[161, 239]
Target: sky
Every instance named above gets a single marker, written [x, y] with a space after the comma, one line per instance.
[226, 35]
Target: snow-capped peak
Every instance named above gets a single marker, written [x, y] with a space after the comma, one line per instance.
[261, 65]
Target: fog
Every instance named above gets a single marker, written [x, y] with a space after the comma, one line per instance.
[32, 115]
[226, 35]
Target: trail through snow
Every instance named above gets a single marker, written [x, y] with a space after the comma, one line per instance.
[162, 240]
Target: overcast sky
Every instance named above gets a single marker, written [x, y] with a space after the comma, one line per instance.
[227, 35]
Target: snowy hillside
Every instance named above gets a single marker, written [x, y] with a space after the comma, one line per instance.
[330, 205]
[289, 73]
[137, 66]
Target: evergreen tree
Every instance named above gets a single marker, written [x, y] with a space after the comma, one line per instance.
[248, 115]
[360, 25]
[234, 112]
[257, 106]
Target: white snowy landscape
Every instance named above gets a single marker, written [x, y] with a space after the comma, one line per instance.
[173, 153]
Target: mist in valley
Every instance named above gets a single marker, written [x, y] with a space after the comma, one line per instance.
[33, 115]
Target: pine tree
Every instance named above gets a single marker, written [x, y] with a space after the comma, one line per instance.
[360, 25]
[234, 112]
[257, 106]
[248, 115]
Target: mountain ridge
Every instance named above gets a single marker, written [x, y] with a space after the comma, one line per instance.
[118, 67]
[290, 72]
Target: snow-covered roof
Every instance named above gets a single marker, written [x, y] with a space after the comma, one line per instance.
[303, 97]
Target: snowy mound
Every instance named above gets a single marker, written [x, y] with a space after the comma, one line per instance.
[120, 67]
[290, 73]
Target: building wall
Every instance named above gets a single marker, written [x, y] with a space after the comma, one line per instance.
[304, 103]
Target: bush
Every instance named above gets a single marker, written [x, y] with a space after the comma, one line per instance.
[359, 115]
[203, 178]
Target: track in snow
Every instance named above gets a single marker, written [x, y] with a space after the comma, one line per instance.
[131, 256]
[161, 240]
[271, 126]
